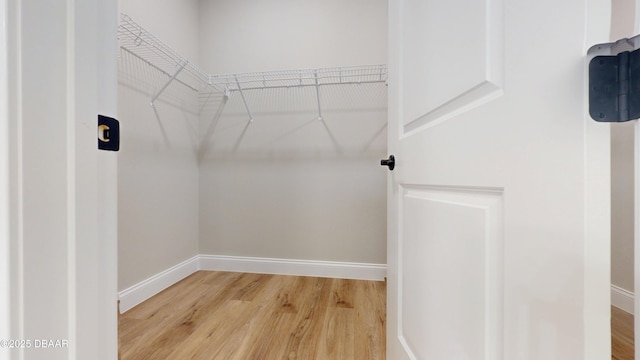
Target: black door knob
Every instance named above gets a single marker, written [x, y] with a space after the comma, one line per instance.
[390, 162]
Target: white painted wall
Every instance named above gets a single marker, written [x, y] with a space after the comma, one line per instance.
[622, 168]
[247, 35]
[158, 169]
[287, 185]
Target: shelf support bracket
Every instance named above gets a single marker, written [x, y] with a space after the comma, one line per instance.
[318, 96]
[180, 67]
[244, 101]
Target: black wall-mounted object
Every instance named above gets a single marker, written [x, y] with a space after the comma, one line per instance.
[614, 81]
[108, 133]
[614, 87]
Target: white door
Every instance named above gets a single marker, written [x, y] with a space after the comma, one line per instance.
[498, 204]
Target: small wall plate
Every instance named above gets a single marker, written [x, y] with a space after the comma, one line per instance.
[108, 133]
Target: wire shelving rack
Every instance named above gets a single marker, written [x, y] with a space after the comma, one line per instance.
[140, 43]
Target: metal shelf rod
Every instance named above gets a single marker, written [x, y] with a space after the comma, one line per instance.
[318, 98]
[244, 100]
[178, 70]
[307, 85]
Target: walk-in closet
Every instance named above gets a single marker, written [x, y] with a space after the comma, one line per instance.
[251, 135]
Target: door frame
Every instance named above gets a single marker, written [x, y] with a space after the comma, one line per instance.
[5, 263]
[636, 225]
[597, 222]
[52, 114]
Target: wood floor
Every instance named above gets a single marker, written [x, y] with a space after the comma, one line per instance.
[223, 315]
[621, 335]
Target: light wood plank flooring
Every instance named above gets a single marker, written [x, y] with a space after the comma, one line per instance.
[224, 315]
[621, 335]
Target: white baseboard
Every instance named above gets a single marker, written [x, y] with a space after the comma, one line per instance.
[344, 270]
[622, 299]
[155, 284]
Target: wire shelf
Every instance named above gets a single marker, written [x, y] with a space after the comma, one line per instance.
[138, 43]
[302, 78]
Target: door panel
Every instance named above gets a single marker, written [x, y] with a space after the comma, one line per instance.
[492, 250]
[437, 87]
[428, 332]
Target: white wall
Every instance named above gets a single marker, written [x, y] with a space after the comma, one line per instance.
[158, 169]
[247, 35]
[287, 185]
[622, 168]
